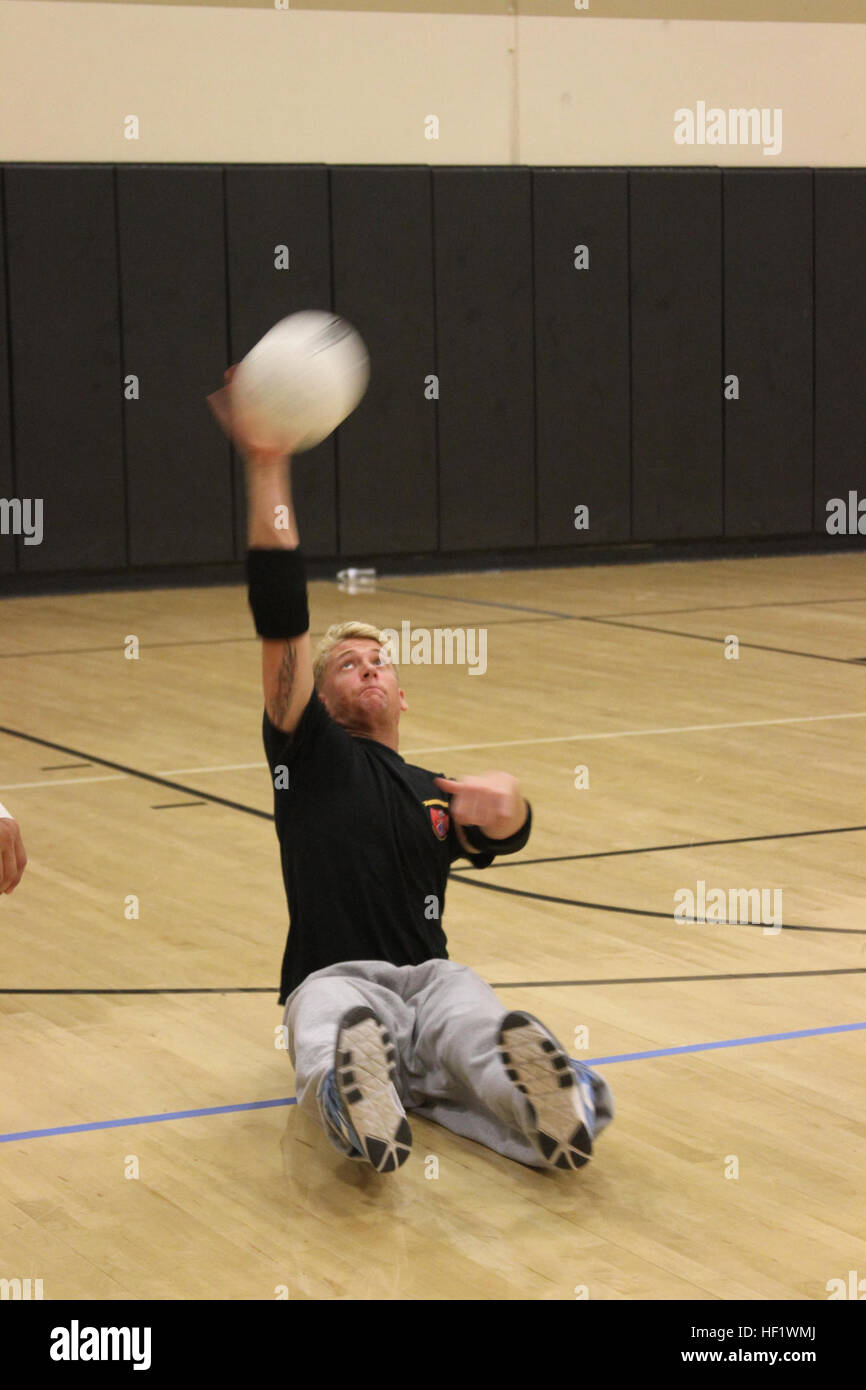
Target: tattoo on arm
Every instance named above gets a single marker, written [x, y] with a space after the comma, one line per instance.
[285, 684]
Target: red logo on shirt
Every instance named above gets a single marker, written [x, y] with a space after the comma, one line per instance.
[440, 821]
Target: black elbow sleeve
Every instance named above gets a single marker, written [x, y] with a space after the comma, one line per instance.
[277, 591]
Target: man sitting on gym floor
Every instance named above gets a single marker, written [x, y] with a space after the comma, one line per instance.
[378, 1019]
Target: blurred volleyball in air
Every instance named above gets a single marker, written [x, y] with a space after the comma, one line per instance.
[300, 381]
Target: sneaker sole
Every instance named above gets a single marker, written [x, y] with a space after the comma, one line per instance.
[365, 1075]
[542, 1071]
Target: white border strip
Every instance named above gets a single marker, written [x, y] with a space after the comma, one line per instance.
[467, 747]
[636, 733]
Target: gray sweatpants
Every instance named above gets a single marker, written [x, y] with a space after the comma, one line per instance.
[444, 1022]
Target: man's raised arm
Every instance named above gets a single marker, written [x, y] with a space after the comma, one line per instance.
[278, 588]
[277, 581]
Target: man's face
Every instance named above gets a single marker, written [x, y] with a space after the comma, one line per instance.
[360, 689]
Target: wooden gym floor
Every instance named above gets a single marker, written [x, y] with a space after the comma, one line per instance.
[732, 1171]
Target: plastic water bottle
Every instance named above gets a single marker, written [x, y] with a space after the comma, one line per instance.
[355, 576]
[356, 581]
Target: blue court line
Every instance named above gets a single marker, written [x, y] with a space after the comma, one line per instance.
[729, 1042]
[147, 1119]
[292, 1100]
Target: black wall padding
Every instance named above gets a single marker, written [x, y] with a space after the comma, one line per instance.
[768, 346]
[676, 265]
[483, 248]
[508, 386]
[66, 379]
[268, 208]
[840, 338]
[383, 283]
[7, 472]
[173, 304]
[582, 355]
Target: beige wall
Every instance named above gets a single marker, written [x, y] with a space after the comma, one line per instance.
[242, 83]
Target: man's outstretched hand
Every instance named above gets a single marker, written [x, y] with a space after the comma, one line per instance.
[492, 801]
[13, 860]
[221, 407]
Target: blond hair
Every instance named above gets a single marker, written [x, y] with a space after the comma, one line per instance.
[342, 632]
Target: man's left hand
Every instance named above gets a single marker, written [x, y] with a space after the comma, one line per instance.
[492, 802]
[13, 859]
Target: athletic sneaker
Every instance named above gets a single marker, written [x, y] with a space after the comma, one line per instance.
[360, 1099]
[560, 1121]
[336, 1115]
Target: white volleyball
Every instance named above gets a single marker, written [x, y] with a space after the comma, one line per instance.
[300, 381]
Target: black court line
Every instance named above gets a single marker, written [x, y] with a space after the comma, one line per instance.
[494, 984]
[674, 632]
[175, 805]
[459, 877]
[661, 849]
[477, 602]
[160, 989]
[118, 648]
[647, 912]
[584, 617]
[726, 607]
[509, 864]
[701, 637]
[642, 627]
[507, 622]
[62, 767]
[491, 603]
[134, 772]
[677, 979]
[208, 642]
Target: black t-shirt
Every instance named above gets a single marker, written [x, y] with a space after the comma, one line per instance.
[366, 843]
